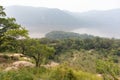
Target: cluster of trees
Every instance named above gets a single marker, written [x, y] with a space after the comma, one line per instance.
[67, 40]
[95, 43]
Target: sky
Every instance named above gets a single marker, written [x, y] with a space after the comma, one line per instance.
[71, 5]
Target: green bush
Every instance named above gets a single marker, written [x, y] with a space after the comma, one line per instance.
[16, 75]
[66, 73]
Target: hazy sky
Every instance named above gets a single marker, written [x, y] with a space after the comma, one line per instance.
[71, 5]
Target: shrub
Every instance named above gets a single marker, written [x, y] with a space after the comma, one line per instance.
[16, 75]
[66, 73]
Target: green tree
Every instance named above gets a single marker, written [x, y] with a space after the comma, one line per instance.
[10, 31]
[39, 52]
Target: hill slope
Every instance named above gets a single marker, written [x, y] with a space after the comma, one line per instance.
[66, 35]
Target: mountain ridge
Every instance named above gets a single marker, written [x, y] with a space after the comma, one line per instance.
[42, 20]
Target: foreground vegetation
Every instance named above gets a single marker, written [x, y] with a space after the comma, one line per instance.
[56, 73]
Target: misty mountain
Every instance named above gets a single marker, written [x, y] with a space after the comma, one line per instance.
[43, 20]
[100, 18]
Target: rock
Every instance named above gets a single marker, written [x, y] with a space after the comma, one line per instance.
[11, 68]
[19, 64]
[26, 58]
[99, 75]
[23, 64]
[16, 56]
[52, 64]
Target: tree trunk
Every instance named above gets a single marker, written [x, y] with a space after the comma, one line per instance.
[37, 64]
[38, 61]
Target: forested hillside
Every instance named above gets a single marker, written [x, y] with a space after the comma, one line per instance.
[95, 55]
[66, 35]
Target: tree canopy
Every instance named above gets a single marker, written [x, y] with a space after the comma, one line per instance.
[39, 52]
[9, 30]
